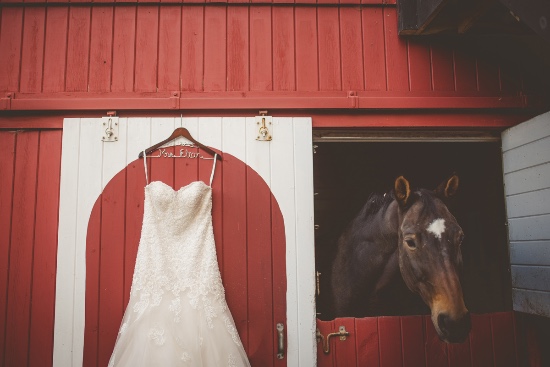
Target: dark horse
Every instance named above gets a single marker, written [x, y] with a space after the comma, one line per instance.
[412, 233]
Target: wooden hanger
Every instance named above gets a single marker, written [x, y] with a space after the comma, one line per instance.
[181, 131]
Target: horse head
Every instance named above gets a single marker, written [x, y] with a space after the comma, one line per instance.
[429, 240]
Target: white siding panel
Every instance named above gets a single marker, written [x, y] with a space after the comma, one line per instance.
[529, 131]
[529, 228]
[534, 302]
[530, 253]
[529, 203]
[529, 179]
[526, 166]
[531, 277]
[533, 154]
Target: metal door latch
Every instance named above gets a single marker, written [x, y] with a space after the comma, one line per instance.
[325, 343]
[263, 121]
[110, 128]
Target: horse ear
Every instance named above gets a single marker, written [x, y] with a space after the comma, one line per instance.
[402, 190]
[448, 189]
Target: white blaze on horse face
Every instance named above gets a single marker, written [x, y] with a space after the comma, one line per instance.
[437, 227]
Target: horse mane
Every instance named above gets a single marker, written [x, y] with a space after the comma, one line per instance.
[377, 202]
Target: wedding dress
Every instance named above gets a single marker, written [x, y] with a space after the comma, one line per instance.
[177, 314]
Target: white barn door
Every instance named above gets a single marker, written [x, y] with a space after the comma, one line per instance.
[89, 164]
[526, 166]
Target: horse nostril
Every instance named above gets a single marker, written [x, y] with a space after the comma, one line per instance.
[454, 330]
[443, 321]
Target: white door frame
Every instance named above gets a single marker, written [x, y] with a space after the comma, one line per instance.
[88, 164]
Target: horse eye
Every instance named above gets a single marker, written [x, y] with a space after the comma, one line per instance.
[410, 243]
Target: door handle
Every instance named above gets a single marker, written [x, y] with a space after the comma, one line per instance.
[280, 341]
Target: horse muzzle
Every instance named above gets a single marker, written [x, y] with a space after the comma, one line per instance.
[453, 330]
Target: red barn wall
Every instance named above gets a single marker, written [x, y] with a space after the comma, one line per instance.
[203, 56]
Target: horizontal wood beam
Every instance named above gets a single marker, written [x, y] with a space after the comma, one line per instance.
[350, 100]
[321, 119]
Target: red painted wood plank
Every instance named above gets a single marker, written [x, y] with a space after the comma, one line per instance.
[135, 196]
[307, 64]
[412, 334]
[487, 76]
[436, 350]
[79, 44]
[215, 48]
[124, 48]
[502, 324]
[261, 67]
[260, 297]
[169, 49]
[111, 277]
[374, 49]
[465, 71]
[325, 360]
[278, 243]
[99, 79]
[45, 250]
[238, 48]
[389, 332]
[146, 49]
[510, 78]
[420, 73]
[284, 65]
[234, 243]
[32, 54]
[93, 252]
[396, 53]
[21, 250]
[481, 344]
[329, 49]
[7, 166]
[442, 68]
[10, 44]
[352, 58]
[192, 56]
[367, 342]
[55, 50]
[344, 350]
[459, 354]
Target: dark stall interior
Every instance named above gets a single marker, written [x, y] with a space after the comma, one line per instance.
[346, 173]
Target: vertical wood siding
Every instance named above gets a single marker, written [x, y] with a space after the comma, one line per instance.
[222, 48]
[526, 166]
[29, 201]
[412, 341]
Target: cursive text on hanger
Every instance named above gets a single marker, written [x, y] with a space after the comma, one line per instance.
[183, 153]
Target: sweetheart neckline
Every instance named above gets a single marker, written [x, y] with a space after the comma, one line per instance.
[181, 188]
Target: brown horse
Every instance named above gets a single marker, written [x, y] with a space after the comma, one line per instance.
[411, 233]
